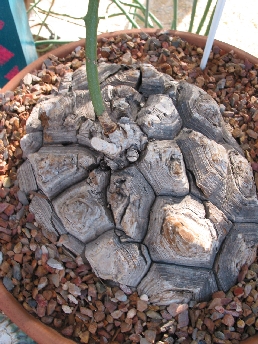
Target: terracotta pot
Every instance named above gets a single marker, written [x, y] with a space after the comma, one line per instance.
[64, 50]
[39, 332]
[251, 340]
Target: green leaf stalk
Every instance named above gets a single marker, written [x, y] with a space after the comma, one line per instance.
[91, 23]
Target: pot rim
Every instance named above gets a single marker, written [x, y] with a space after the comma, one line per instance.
[33, 327]
[65, 49]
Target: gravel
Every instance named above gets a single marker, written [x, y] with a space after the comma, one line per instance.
[61, 289]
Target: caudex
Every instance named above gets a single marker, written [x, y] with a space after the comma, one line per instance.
[91, 23]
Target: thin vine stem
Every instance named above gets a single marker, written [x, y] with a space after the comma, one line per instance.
[142, 19]
[131, 20]
[106, 13]
[111, 15]
[174, 21]
[210, 21]
[45, 19]
[204, 16]
[131, 5]
[147, 13]
[192, 15]
[152, 17]
[58, 14]
[132, 9]
[43, 50]
[91, 23]
[52, 41]
[120, 4]
[33, 6]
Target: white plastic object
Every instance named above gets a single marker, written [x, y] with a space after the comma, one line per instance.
[214, 25]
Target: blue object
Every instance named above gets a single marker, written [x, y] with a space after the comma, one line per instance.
[17, 48]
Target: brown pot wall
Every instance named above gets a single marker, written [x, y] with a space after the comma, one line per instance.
[251, 340]
[39, 332]
[64, 50]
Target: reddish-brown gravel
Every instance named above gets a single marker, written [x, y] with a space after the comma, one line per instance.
[61, 289]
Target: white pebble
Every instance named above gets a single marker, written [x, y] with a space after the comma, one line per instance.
[72, 299]
[65, 286]
[74, 289]
[144, 297]
[131, 313]
[67, 309]
[55, 264]
[44, 249]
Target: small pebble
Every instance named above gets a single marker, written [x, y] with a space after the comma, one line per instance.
[120, 295]
[150, 335]
[131, 313]
[220, 335]
[116, 314]
[42, 282]
[251, 275]
[153, 315]
[7, 282]
[142, 305]
[144, 297]
[254, 267]
[74, 289]
[22, 197]
[53, 263]
[67, 309]
[228, 320]
[7, 182]
[17, 272]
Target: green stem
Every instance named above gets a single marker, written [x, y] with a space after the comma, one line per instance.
[174, 22]
[147, 13]
[155, 20]
[111, 15]
[192, 15]
[210, 21]
[57, 14]
[132, 9]
[91, 23]
[131, 5]
[32, 6]
[204, 16]
[119, 14]
[142, 19]
[51, 41]
[131, 20]
[45, 19]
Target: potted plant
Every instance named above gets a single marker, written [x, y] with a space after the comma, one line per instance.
[91, 60]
